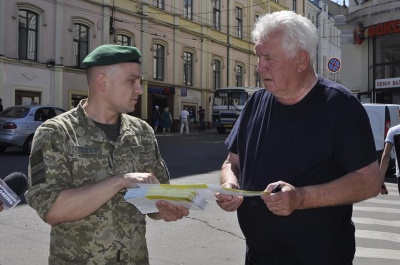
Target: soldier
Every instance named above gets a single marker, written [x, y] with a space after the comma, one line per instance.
[82, 162]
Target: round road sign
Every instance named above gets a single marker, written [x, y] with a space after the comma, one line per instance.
[334, 65]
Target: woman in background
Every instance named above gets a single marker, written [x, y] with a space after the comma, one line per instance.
[166, 120]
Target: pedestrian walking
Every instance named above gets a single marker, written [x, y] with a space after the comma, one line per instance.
[184, 120]
[166, 121]
[391, 142]
[202, 114]
[156, 118]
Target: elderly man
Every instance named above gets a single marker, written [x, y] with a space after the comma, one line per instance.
[83, 160]
[307, 142]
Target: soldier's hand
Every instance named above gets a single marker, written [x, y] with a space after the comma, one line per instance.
[130, 179]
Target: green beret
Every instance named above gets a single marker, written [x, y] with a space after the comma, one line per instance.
[112, 54]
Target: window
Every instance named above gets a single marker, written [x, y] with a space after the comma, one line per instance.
[217, 14]
[158, 60]
[124, 40]
[81, 44]
[188, 68]
[239, 75]
[159, 4]
[216, 74]
[258, 79]
[188, 9]
[239, 23]
[28, 35]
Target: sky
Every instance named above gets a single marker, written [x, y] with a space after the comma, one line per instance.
[340, 2]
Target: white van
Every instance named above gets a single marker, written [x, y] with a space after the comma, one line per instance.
[382, 117]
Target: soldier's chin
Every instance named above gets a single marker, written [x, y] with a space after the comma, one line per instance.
[131, 109]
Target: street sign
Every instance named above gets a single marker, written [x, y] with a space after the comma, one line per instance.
[334, 65]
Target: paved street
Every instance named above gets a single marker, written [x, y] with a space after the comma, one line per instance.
[204, 237]
[378, 229]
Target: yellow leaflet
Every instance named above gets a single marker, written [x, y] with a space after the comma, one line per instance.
[185, 186]
[246, 191]
[170, 193]
[155, 197]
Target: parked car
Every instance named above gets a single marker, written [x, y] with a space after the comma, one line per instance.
[19, 123]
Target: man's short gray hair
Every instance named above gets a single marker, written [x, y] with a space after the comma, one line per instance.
[298, 32]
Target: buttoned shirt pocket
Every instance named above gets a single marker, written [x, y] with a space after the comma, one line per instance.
[89, 164]
[144, 158]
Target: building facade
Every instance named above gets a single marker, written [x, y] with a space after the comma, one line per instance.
[371, 49]
[189, 48]
[321, 13]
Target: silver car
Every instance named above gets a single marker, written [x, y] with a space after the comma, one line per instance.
[19, 123]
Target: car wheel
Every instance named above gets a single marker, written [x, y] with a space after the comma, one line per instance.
[27, 145]
[2, 148]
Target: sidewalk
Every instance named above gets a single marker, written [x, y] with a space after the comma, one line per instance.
[194, 132]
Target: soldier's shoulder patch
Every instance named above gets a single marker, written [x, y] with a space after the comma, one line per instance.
[36, 164]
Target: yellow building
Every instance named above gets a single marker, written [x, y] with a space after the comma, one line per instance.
[189, 48]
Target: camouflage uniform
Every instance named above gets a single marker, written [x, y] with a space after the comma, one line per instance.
[71, 151]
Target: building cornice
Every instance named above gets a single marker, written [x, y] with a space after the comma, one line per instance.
[374, 14]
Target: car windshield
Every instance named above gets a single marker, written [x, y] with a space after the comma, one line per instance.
[15, 112]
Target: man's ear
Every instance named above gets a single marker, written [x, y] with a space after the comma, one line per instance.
[303, 60]
[101, 81]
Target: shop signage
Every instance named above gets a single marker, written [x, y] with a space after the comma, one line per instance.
[183, 92]
[384, 28]
[161, 90]
[387, 83]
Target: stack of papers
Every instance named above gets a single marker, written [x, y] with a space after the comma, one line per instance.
[191, 196]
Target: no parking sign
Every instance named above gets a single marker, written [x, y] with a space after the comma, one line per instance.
[334, 65]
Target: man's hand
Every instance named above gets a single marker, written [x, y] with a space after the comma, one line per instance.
[130, 179]
[283, 202]
[169, 212]
[229, 203]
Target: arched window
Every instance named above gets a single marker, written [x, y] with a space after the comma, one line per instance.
[124, 40]
[28, 34]
[239, 23]
[216, 74]
[238, 75]
[158, 61]
[159, 3]
[217, 14]
[188, 9]
[80, 44]
[188, 68]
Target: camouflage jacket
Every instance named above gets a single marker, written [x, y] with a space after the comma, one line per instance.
[70, 151]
